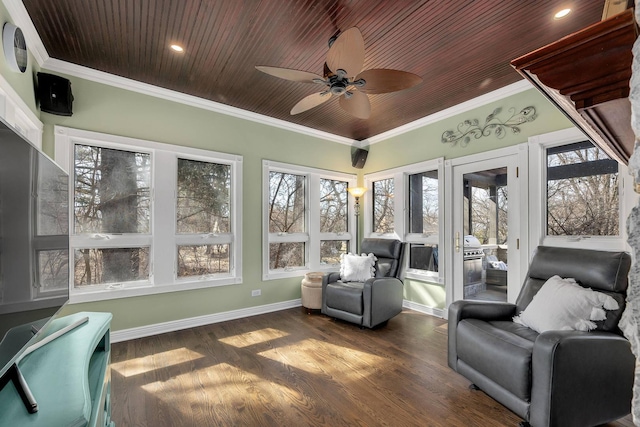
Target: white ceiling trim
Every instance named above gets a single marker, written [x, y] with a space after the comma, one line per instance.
[496, 95]
[21, 18]
[86, 73]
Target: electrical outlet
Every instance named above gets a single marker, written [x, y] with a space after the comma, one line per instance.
[256, 293]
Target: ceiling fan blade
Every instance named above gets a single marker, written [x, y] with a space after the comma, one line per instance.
[357, 105]
[380, 80]
[347, 52]
[289, 74]
[311, 101]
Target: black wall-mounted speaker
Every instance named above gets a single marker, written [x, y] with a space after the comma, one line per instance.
[358, 158]
[54, 94]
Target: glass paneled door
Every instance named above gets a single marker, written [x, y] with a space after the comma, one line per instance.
[486, 230]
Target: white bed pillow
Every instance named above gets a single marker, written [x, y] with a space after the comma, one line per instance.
[357, 268]
[562, 304]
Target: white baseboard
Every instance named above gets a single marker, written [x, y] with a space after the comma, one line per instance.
[438, 312]
[192, 322]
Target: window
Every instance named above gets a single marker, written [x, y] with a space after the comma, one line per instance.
[52, 224]
[306, 219]
[203, 213]
[383, 206]
[111, 197]
[580, 192]
[424, 220]
[150, 217]
[334, 221]
[416, 191]
[287, 208]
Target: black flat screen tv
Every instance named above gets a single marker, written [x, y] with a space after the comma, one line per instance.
[34, 246]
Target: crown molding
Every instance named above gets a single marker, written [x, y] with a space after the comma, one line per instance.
[21, 18]
[86, 73]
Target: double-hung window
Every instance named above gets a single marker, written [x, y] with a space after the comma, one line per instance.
[405, 204]
[148, 217]
[306, 219]
[582, 195]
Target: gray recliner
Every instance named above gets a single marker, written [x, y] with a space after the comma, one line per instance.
[374, 301]
[556, 378]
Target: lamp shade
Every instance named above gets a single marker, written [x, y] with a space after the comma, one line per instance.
[357, 191]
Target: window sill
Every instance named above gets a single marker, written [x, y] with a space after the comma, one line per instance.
[424, 277]
[299, 272]
[78, 297]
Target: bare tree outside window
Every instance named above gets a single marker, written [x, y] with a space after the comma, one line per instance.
[202, 260]
[484, 207]
[423, 203]
[203, 206]
[334, 212]
[582, 191]
[333, 206]
[383, 215]
[203, 202]
[286, 216]
[112, 196]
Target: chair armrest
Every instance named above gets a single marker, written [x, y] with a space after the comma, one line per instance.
[477, 310]
[383, 298]
[580, 378]
[332, 277]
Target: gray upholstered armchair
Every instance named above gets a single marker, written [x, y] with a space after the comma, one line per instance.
[556, 378]
[374, 301]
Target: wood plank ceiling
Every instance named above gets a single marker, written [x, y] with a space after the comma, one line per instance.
[460, 48]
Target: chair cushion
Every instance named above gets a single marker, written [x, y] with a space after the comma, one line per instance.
[345, 296]
[499, 350]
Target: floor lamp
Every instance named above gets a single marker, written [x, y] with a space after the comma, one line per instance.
[357, 192]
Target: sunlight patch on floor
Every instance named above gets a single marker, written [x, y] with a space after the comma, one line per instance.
[141, 365]
[310, 356]
[254, 337]
[222, 384]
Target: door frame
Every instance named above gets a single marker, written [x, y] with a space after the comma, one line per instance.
[514, 156]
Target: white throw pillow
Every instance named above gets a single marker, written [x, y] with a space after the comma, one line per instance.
[357, 268]
[562, 304]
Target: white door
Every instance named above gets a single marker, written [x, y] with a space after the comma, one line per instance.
[488, 227]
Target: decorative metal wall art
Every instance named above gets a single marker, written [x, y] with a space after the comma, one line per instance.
[492, 124]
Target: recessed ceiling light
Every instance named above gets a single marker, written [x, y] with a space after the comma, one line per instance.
[562, 13]
[177, 48]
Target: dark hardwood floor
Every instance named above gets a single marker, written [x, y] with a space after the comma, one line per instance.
[292, 369]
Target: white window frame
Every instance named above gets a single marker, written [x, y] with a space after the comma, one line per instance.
[312, 236]
[538, 146]
[162, 262]
[401, 214]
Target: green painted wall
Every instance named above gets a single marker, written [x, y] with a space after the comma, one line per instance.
[102, 108]
[424, 143]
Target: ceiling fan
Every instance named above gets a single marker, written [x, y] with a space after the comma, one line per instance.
[343, 77]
